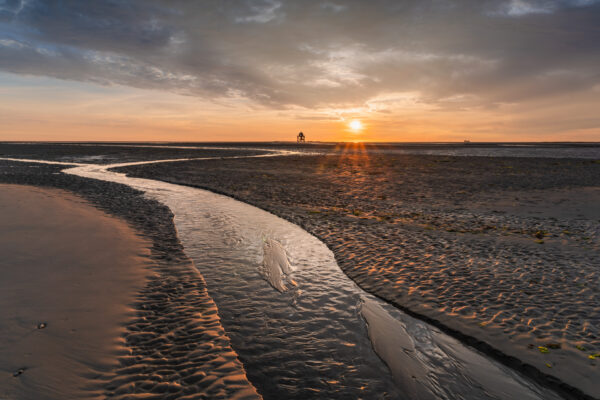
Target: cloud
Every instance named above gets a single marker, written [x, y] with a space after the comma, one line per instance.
[261, 11]
[518, 8]
[312, 54]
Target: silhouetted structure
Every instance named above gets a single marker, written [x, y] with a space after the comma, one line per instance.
[301, 138]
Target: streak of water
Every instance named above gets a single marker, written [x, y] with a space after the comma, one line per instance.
[311, 340]
[536, 150]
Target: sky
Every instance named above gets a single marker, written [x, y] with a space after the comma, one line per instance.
[262, 70]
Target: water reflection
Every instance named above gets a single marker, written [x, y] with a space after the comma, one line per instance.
[312, 340]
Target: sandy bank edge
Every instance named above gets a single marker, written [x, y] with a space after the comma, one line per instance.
[175, 346]
[70, 271]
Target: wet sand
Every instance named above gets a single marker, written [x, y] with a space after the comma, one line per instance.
[448, 239]
[68, 273]
[484, 248]
[109, 153]
[168, 343]
[305, 337]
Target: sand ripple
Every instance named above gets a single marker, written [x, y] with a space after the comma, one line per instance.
[176, 347]
[502, 250]
[310, 341]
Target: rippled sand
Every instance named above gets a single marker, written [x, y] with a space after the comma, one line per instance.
[163, 338]
[419, 212]
[306, 339]
[478, 245]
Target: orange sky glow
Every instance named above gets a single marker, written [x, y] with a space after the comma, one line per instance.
[45, 109]
[264, 70]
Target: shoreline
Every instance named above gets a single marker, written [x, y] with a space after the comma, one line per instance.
[312, 217]
[69, 274]
[504, 351]
[174, 332]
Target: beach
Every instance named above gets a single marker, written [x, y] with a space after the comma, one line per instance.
[278, 199]
[500, 253]
[60, 285]
[126, 312]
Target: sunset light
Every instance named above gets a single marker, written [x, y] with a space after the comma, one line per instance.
[356, 125]
[300, 199]
[68, 74]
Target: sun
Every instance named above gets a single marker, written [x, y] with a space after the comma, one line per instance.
[355, 125]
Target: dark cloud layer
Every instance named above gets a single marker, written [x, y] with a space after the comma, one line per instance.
[313, 53]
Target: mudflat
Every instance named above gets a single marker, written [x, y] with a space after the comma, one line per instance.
[501, 252]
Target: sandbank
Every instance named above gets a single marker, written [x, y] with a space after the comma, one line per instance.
[68, 272]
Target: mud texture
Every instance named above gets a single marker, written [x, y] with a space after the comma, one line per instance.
[500, 252]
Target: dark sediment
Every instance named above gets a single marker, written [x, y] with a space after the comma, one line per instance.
[174, 346]
[109, 153]
[500, 252]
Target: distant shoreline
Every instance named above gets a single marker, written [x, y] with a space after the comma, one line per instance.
[311, 142]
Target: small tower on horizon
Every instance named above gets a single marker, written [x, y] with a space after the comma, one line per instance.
[301, 138]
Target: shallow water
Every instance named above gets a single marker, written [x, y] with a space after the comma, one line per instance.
[318, 334]
[519, 151]
[525, 150]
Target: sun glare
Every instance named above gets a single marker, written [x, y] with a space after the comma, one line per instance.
[356, 125]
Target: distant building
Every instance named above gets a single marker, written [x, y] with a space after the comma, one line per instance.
[301, 138]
